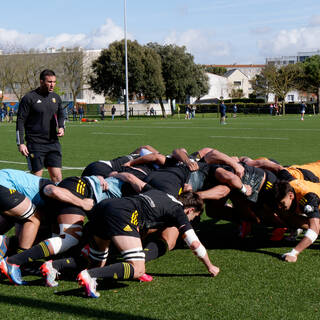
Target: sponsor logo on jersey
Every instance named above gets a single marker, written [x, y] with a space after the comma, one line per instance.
[127, 228]
[39, 101]
[54, 100]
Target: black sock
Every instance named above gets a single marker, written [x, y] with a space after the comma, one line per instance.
[70, 264]
[39, 251]
[155, 249]
[119, 271]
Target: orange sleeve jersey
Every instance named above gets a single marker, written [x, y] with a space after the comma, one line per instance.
[307, 197]
[314, 167]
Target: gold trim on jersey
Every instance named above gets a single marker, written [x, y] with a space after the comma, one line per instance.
[12, 191]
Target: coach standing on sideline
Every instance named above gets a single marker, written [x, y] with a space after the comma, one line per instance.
[40, 118]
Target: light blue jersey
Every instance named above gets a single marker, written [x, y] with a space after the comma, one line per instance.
[114, 188]
[26, 183]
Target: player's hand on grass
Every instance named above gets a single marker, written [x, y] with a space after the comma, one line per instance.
[288, 257]
[213, 270]
[23, 150]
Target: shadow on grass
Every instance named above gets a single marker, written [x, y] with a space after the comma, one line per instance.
[67, 309]
[225, 236]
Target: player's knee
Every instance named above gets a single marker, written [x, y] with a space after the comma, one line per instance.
[69, 237]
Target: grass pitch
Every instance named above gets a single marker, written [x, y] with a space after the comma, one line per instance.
[253, 283]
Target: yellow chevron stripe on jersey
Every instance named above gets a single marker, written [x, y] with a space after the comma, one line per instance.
[180, 191]
[12, 191]
[115, 276]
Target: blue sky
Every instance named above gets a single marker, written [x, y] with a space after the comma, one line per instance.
[214, 31]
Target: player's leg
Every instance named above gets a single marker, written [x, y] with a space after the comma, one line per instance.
[133, 267]
[53, 162]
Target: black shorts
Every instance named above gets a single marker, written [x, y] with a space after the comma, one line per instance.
[79, 186]
[114, 217]
[44, 155]
[97, 168]
[9, 198]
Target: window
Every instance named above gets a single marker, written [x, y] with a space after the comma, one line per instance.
[237, 83]
[290, 98]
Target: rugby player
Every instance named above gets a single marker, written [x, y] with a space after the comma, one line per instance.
[294, 199]
[118, 221]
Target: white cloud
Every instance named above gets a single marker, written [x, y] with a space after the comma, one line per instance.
[315, 20]
[99, 38]
[289, 42]
[203, 47]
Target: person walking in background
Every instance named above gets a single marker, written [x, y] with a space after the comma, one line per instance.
[81, 113]
[303, 107]
[102, 112]
[74, 113]
[113, 112]
[40, 121]
[235, 109]
[187, 112]
[193, 111]
[11, 113]
[223, 110]
[271, 109]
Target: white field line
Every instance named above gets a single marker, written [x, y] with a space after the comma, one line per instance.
[24, 163]
[118, 134]
[209, 128]
[259, 138]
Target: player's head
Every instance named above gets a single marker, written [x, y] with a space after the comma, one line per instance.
[47, 80]
[192, 203]
[283, 195]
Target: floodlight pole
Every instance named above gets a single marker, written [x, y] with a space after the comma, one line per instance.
[126, 60]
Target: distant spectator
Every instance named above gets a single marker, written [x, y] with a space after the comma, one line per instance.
[188, 111]
[11, 113]
[235, 110]
[303, 108]
[276, 109]
[74, 113]
[81, 112]
[102, 112]
[193, 111]
[113, 112]
[271, 109]
[152, 112]
[223, 110]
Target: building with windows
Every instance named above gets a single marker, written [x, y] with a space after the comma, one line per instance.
[285, 60]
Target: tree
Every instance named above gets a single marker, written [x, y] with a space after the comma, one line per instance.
[74, 66]
[153, 84]
[108, 75]
[220, 71]
[310, 77]
[181, 76]
[261, 82]
[144, 72]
